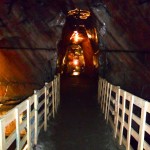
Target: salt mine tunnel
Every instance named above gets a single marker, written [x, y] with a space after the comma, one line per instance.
[40, 38]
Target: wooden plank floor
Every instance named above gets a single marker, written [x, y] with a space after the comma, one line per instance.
[79, 124]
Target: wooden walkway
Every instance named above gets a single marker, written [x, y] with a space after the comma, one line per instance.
[79, 124]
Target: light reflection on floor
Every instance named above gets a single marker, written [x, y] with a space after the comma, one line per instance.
[75, 73]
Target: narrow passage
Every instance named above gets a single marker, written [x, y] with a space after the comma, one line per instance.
[79, 124]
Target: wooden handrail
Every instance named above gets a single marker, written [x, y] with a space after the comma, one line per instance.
[29, 117]
[117, 120]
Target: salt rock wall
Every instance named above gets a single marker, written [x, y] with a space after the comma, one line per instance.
[126, 43]
[29, 33]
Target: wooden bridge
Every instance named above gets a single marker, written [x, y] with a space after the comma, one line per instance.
[128, 115]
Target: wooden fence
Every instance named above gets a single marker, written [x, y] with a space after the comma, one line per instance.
[128, 115]
[20, 127]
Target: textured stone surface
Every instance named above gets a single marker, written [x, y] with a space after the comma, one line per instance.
[128, 30]
[30, 24]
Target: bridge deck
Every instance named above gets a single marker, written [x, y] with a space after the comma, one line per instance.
[79, 124]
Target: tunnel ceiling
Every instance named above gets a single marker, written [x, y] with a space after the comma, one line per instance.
[35, 27]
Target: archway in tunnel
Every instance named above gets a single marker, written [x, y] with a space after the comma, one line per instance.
[79, 30]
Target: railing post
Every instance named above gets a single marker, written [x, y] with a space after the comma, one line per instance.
[28, 126]
[107, 115]
[122, 118]
[107, 99]
[116, 116]
[46, 104]
[55, 89]
[53, 98]
[129, 122]
[36, 117]
[142, 126]
[2, 136]
[17, 129]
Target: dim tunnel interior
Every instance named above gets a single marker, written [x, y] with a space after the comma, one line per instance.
[78, 123]
[81, 40]
[78, 48]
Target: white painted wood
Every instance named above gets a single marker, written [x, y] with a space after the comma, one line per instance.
[109, 98]
[23, 141]
[45, 107]
[9, 118]
[114, 100]
[50, 104]
[41, 103]
[111, 110]
[40, 114]
[146, 146]
[32, 117]
[134, 134]
[117, 111]
[142, 126]
[131, 100]
[28, 126]
[36, 117]
[23, 124]
[122, 117]
[53, 99]
[17, 129]
[40, 92]
[147, 128]
[136, 118]
[2, 135]
[148, 107]
[10, 139]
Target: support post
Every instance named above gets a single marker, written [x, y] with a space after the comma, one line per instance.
[17, 129]
[55, 89]
[36, 117]
[45, 107]
[2, 136]
[129, 123]
[28, 126]
[116, 117]
[122, 118]
[53, 98]
[109, 98]
[142, 125]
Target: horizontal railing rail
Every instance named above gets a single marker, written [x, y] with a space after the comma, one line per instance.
[128, 115]
[20, 127]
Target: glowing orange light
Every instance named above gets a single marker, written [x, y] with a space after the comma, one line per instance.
[75, 62]
[75, 37]
[89, 35]
[79, 13]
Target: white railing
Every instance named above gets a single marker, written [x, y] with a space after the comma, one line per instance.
[20, 127]
[127, 114]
